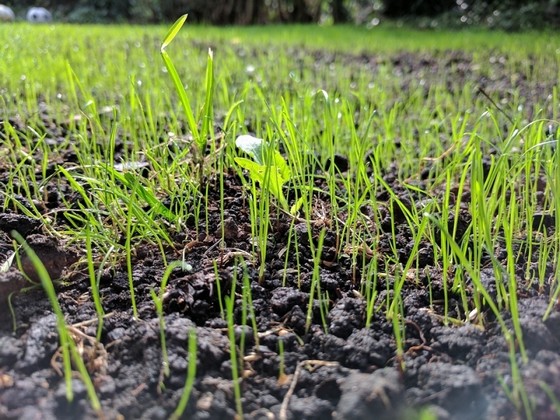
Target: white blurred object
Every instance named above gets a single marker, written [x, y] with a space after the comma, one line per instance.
[6, 14]
[38, 15]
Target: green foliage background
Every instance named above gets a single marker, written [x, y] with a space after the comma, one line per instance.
[508, 14]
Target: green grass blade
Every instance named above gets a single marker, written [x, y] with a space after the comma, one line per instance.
[173, 31]
[207, 111]
[474, 277]
[93, 285]
[189, 381]
[149, 197]
[69, 350]
[76, 185]
[48, 286]
[180, 88]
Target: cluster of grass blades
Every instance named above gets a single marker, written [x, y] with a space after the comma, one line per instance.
[299, 126]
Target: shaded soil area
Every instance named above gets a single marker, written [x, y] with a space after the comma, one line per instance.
[330, 360]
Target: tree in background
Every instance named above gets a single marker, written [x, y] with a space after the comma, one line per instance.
[339, 11]
[400, 8]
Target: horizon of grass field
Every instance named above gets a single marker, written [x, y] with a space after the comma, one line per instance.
[108, 85]
[345, 38]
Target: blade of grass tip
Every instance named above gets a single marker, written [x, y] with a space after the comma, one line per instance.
[176, 79]
[207, 112]
[76, 185]
[229, 114]
[173, 31]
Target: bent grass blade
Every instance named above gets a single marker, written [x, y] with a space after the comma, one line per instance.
[158, 303]
[68, 346]
[189, 380]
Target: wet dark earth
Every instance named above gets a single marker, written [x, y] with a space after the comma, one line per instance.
[339, 364]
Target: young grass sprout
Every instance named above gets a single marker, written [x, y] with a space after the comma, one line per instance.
[205, 118]
[268, 167]
[68, 347]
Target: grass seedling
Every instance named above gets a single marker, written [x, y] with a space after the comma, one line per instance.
[259, 206]
[517, 393]
[316, 252]
[128, 250]
[131, 181]
[200, 135]
[69, 351]
[248, 308]
[245, 299]
[94, 286]
[158, 302]
[369, 289]
[234, 359]
[218, 284]
[467, 266]
[398, 322]
[189, 380]
[268, 167]
[393, 310]
[551, 396]
[555, 186]
[281, 367]
[324, 304]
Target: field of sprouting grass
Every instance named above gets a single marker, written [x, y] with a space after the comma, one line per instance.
[261, 205]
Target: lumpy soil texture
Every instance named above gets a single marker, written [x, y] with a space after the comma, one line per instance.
[306, 345]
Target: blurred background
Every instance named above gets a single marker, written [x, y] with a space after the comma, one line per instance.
[507, 15]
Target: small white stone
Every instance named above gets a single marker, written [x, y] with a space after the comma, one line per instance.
[6, 14]
[38, 15]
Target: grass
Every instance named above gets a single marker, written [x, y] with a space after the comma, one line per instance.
[99, 88]
[70, 352]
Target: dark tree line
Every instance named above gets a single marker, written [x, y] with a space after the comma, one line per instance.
[220, 12]
[517, 13]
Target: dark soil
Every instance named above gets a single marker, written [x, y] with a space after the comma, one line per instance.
[336, 368]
